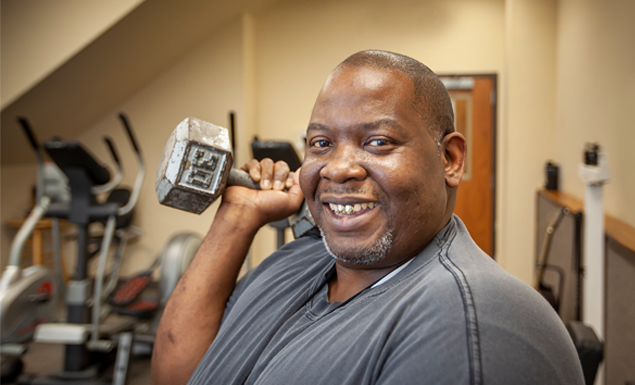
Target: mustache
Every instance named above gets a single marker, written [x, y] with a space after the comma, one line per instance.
[343, 190]
[347, 190]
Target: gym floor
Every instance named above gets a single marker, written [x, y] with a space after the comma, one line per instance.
[42, 359]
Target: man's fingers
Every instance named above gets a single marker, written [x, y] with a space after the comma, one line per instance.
[296, 196]
[281, 195]
[276, 176]
[266, 169]
[254, 170]
[280, 175]
[289, 182]
[295, 192]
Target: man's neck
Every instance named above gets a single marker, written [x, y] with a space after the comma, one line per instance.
[348, 282]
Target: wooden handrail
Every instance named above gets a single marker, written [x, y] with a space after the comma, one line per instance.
[616, 229]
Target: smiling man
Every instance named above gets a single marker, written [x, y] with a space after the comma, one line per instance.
[394, 291]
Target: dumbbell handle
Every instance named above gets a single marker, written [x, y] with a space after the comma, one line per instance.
[241, 178]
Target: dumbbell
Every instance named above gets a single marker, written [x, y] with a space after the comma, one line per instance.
[196, 167]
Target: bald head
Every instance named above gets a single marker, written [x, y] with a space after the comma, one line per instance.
[430, 100]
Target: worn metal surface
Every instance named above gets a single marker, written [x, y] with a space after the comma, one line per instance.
[241, 178]
[194, 166]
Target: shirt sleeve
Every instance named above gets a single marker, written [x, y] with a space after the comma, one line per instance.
[242, 283]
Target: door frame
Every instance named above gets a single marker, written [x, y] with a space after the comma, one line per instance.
[494, 110]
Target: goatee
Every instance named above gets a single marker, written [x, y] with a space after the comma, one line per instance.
[367, 256]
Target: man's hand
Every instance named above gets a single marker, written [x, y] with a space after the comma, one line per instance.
[279, 195]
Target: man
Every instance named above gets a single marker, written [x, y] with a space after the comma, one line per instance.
[394, 292]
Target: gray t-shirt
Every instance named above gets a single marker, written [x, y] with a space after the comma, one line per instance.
[452, 316]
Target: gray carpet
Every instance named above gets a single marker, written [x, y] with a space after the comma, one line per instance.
[42, 359]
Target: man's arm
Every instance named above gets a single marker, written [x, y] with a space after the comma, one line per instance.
[193, 314]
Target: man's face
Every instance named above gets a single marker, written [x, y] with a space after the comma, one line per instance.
[372, 174]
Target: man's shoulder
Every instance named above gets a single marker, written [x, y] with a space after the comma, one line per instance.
[300, 260]
[494, 293]
[504, 308]
[471, 266]
[305, 250]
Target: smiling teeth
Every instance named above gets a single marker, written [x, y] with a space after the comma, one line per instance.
[351, 209]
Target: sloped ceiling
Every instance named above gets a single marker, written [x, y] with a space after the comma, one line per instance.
[112, 68]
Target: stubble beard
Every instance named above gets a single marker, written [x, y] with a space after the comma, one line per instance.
[366, 256]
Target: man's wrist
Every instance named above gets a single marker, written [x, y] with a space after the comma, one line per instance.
[239, 218]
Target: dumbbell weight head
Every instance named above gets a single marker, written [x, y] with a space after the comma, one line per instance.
[194, 166]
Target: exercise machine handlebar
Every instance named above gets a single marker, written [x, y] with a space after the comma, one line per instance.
[25, 231]
[140, 173]
[118, 177]
[26, 127]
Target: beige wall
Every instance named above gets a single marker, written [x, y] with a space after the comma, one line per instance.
[299, 43]
[596, 95]
[38, 36]
[527, 136]
[569, 80]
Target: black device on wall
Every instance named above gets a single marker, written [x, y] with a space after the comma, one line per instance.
[276, 151]
[552, 172]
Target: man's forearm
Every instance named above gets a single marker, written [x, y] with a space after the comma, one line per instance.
[195, 309]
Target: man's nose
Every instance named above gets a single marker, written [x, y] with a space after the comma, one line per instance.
[343, 165]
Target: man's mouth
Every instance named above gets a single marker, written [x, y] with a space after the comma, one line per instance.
[344, 210]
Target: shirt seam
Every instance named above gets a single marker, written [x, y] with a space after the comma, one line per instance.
[471, 320]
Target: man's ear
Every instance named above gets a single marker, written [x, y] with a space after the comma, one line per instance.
[453, 148]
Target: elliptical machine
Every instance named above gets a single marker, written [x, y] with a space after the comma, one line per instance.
[92, 345]
[87, 178]
[30, 296]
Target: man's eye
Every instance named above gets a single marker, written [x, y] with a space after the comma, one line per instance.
[378, 142]
[321, 143]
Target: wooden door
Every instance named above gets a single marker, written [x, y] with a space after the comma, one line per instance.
[474, 101]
